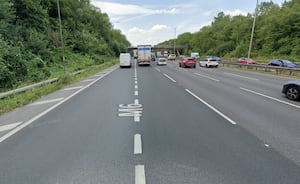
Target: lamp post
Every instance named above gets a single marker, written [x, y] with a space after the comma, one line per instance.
[174, 39]
[252, 32]
[61, 37]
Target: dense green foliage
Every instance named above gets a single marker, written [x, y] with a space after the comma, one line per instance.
[30, 43]
[277, 34]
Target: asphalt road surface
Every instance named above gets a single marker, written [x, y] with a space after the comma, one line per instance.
[160, 125]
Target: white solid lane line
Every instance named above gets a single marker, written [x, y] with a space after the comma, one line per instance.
[169, 77]
[9, 126]
[269, 97]
[212, 108]
[137, 144]
[236, 75]
[72, 88]
[140, 176]
[207, 77]
[46, 101]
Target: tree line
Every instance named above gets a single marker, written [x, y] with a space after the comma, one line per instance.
[276, 35]
[30, 43]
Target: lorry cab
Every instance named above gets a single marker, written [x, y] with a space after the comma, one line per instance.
[125, 60]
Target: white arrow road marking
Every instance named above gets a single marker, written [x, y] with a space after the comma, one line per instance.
[9, 126]
[46, 101]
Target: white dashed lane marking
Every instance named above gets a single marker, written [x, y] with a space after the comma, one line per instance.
[137, 144]
[269, 97]
[140, 176]
[240, 76]
[169, 77]
[136, 93]
[207, 77]
[211, 107]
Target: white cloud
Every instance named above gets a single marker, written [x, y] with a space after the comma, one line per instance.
[235, 12]
[155, 34]
[129, 9]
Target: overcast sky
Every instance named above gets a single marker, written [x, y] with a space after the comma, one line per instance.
[151, 22]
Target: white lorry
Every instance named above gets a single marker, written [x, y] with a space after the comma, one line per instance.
[144, 54]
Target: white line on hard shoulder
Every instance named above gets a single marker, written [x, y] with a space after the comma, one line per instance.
[9, 126]
[169, 77]
[250, 78]
[212, 108]
[207, 77]
[72, 88]
[140, 176]
[137, 144]
[21, 126]
[46, 101]
[269, 97]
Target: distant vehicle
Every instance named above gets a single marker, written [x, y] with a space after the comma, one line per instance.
[282, 63]
[246, 60]
[153, 57]
[161, 61]
[292, 89]
[172, 57]
[158, 54]
[187, 62]
[166, 53]
[135, 54]
[195, 55]
[144, 55]
[210, 61]
[125, 60]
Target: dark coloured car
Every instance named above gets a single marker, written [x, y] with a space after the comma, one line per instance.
[246, 60]
[187, 62]
[292, 89]
[282, 63]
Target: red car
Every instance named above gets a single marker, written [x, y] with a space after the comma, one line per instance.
[247, 61]
[187, 62]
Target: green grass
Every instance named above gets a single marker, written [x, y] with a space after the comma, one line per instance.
[18, 100]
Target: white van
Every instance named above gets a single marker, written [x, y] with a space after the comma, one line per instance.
[125, 60]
